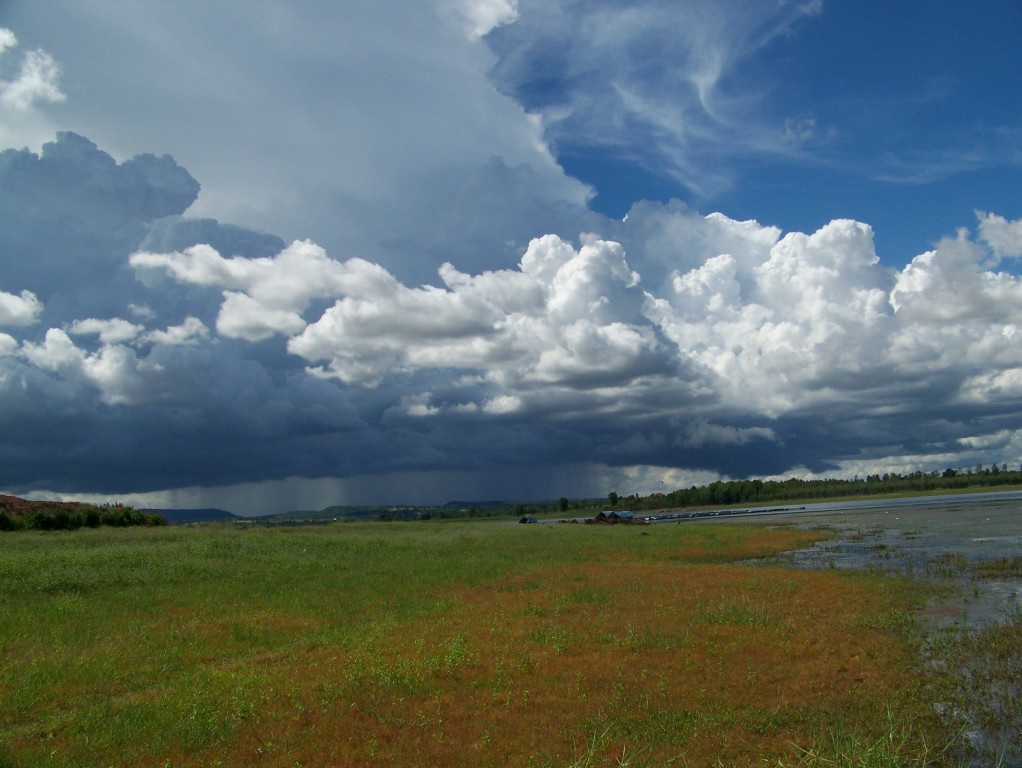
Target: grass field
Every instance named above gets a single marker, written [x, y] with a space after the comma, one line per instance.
[463, 644]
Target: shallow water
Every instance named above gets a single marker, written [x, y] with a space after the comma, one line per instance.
[938, 538]
[935, 536]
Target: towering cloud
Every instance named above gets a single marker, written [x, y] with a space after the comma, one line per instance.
[437, 301]
[72, 214]
[681, 341]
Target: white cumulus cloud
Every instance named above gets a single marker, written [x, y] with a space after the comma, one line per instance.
[1003, 236]
[482, 16]
[37, 79]
[8, 345]
[191, 331]
[782, 325]
[437, 309]
[266, 296]
[23, 309]
[112, 331]
[565, 318]
[113, 370]
[750, 334]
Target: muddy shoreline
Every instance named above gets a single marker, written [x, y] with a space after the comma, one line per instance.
[970, 544]
[932, 537]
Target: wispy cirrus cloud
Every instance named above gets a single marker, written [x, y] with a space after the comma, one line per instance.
[433, 307]
[651, 81]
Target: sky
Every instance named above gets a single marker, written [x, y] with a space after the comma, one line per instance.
[266, 256]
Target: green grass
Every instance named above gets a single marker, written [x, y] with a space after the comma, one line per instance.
[457, 644]
[849, 748]
[142, 629]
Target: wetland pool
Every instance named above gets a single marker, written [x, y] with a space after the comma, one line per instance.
[940, 537]
[970, 544]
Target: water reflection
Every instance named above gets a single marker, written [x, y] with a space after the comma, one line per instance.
[972, 542]
[943, 537]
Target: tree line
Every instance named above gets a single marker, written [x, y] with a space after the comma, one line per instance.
[727, 492]
[43, 516]
[740, 492]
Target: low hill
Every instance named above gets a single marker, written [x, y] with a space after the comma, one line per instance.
[17, 514]
[182, 516]
[348, 514]
[19, 509]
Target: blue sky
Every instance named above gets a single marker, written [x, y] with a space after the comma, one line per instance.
[266, 256]
[903, 115]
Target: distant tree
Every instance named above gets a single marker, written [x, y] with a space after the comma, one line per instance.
[562, 504]
[612, 498]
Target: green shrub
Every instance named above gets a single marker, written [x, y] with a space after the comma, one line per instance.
[8, 523]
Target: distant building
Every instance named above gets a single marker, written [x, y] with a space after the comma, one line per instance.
[614, 516]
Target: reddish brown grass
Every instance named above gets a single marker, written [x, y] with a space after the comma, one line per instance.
[689, 657]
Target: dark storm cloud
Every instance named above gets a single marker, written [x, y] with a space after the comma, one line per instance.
[144, 351]
[72, 214]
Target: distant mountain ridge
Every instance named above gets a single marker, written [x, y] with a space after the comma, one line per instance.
[205, 515]
[343, 512]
